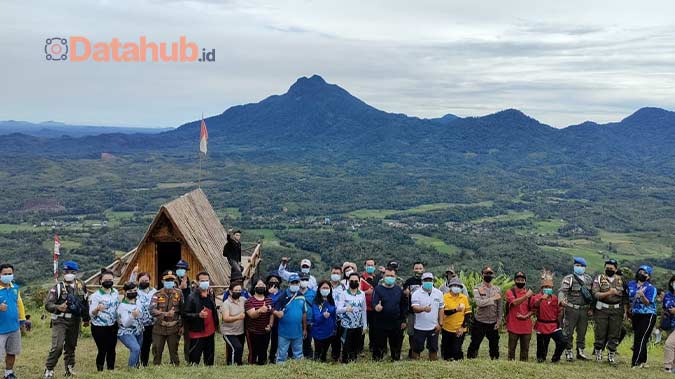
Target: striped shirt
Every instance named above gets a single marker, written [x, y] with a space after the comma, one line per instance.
[258, 325]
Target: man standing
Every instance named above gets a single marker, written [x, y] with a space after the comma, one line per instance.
[165, 307]
[232, 251]
[309, 295]
[389, 320]
[427, 303]
[411, 285]
[67, 303]
[201, 319]
[291, 310]
[519, 321]
[611, 309]
[12, 319]
[369, 279]
[305, 267]
[488, 315]
[185, 285]
[576, 308]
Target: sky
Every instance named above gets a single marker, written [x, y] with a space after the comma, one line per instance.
[560, 62]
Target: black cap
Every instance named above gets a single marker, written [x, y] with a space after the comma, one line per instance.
[520, 274]
[392, 265]
[612, 262]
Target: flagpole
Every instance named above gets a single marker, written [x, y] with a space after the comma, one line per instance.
[199, 181]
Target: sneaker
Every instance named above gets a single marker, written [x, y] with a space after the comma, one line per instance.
[11, 375]
[568, 355]
[70, 371]
[49, 374]
[581, 355]
[611, 358]
[598, 355]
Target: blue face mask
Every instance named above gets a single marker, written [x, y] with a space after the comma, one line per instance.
[427, 285]
[456, 290]
[204, 285]
[370, 269]
[169, 285]
[6, 279]
[294, 288]
[548, 291]
[324, 292]
[180, 272]
[579, 270]
[335, 277]
[305, 270]
[389, 280]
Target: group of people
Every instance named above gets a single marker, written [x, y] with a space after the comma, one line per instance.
[294, 314]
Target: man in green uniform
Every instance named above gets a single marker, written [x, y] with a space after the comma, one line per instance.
[576, 307]
[165, 306]
[611, 309]
[67, 302]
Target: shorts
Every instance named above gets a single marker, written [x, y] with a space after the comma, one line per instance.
[10, 343]
[428, 336]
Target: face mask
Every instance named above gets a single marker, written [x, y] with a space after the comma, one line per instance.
[236, 295]
[107, 284]
[144, 285]
[69, 277]
[456, 290]
[180, 272]
[353, 284]
[488, 278]
[168, 285]
[325, 292]
[520, 285]
[132, 295]
[335, 277]
[370, 269]
[389, 280]
[579, 270]
[548, 291]
[347, 273]
[7, 278]
[260, 290]
[204, 285]
[304, 284]
[305, 270]
[428, 285]
[294, 288]
[640, 277]
[609, 272]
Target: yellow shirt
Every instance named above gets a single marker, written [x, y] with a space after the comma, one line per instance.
[453, 322]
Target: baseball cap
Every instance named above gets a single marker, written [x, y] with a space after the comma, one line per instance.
[294, 278]
[305, 262]
[427, 275]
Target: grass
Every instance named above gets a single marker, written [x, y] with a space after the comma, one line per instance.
[30, 364]
[510, 216]
[384, 213]
[436, 243]
[9, 228]
[548, 226]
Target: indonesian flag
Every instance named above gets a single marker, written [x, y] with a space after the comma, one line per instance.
[203, 138]
[57, 252]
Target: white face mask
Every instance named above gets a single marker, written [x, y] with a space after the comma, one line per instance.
[304, 284]
[69, 277]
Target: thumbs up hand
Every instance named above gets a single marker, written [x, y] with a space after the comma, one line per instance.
[3, 306]
[135, 313]
[326, 314]
[379, 307]
[203, 313]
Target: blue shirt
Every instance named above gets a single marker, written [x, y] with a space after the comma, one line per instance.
[636, 305]
[323, 327]
[310, 294]
[290, 326]
[9, 319]
[668, 303]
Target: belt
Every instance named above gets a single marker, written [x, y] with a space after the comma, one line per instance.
[600, 305]
[548, 321]
[62, 315]
[575, 306]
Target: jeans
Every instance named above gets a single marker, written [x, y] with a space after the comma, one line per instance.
[133, 343]
[284, 344]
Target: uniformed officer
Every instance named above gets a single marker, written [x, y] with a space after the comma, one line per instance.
[186, 286]
[576, 308]
[165, 307]
[67, 302]
[611, 309]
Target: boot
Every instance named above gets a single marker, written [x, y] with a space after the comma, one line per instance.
[70, 371]
[49, 374]
[414, 356]
[581, 355]
[568, 355]
[433, 356]
[598, 355]
[611, 358]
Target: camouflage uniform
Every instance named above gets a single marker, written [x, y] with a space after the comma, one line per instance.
[166, 329]
[576, 310]
[66, 325]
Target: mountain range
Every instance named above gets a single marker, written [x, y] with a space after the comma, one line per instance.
[58, 129]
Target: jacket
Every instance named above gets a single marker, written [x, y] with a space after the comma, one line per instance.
[323, 327]
[193, 305]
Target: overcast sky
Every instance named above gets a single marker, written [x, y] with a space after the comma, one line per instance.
[560, 62]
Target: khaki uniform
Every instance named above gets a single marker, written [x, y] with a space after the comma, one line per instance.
[166, 329]
[576, 309]
[66, 325]
[608, 313]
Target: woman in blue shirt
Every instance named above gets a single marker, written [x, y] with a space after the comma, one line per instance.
[669, 308]
[643, 309]
[324, 320]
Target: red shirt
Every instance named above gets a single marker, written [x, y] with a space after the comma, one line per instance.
[258, 325]
[513, 324]
[209, 327]
[365, 286]
[547, 314]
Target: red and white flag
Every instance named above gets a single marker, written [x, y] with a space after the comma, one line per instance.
[203, 138]
[57, 252]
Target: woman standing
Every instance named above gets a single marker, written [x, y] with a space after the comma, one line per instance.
[259, 323]
[324, 320]
[351, 306]
[145, 293]
[669, 312]
[232, 327]
[130, 319]
[642, 297]
[102, 310]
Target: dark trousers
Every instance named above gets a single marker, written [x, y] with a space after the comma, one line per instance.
[186, 344]
[642, 330]
[350, 348]
[379, 343]
[234, 348]
[257, 347]
[575, 319]
[370, 315]
[608, 323]
[64, 341]
[205, 347]
[336, 344]
[321, 348]
[158, 342]
[451, 346]
[105, 338]
[307, 350]
[479, 331]
[147, 344]
[274, 342]
[524, 340]
[542, 345]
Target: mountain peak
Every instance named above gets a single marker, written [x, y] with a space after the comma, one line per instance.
[648, 114]
[305, 85]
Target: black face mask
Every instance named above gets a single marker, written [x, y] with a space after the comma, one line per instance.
[107, 284]
[488, 278]
[144, 285]
[131, 295]
[260, 290]
[520, 285]
[609, 272]
[640, 277]
[353, 285]
[236, 295]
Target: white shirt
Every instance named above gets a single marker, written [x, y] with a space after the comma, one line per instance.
[285, 275]
[421, 298]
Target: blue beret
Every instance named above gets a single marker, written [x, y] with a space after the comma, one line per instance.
[71, 266]
[580, 261]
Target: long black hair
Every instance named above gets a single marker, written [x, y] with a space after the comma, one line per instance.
[670, 284]
[319, 299]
